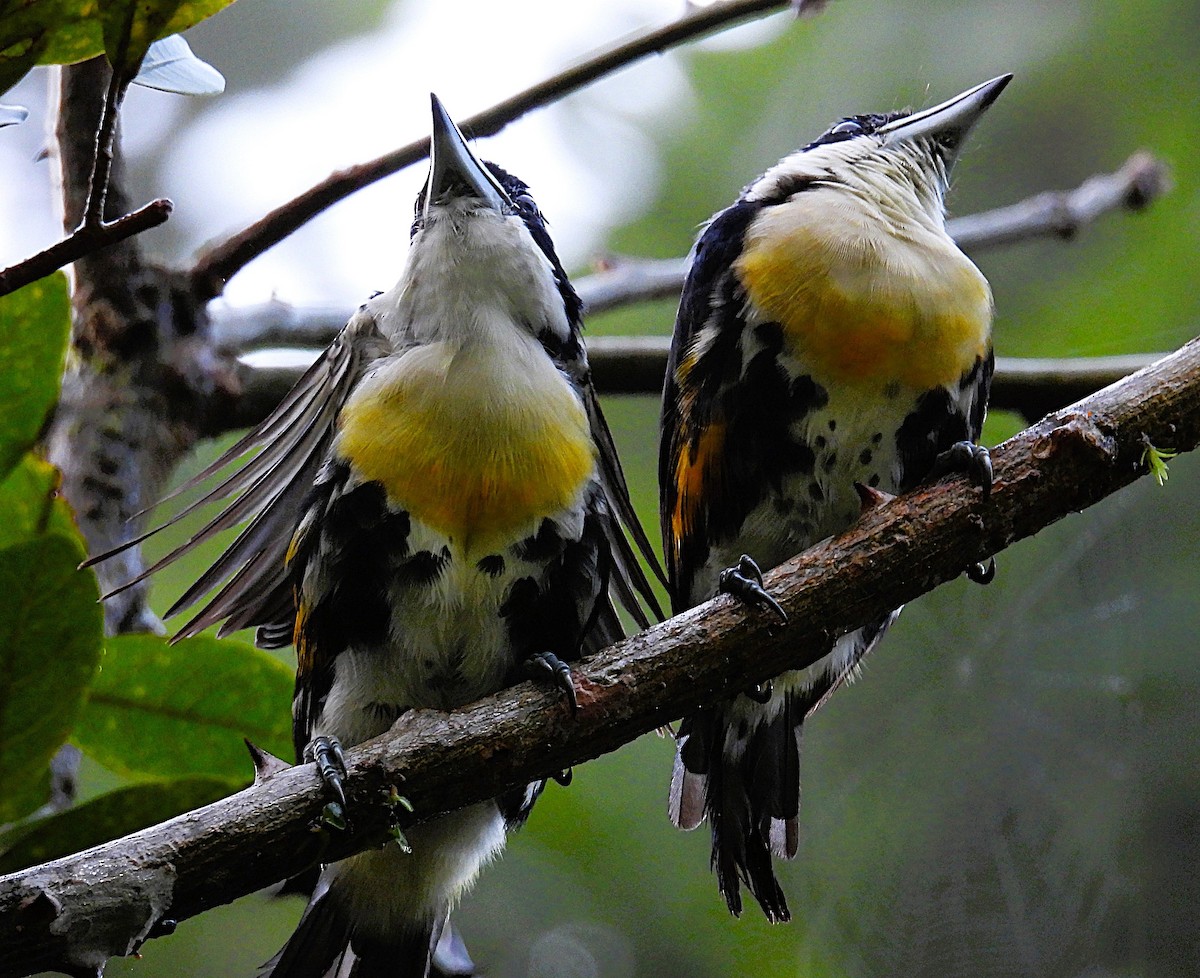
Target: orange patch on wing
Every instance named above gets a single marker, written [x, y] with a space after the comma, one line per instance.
[305, 659]
[696, 478]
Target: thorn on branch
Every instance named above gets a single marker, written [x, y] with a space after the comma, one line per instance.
[266, 764]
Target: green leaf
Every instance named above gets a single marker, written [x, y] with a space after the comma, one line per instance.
[161, 710]
[105, 818]
[30, 505]
[46, 32]
[65, 31]
[34, 326]
[51, 635]
[145, 21]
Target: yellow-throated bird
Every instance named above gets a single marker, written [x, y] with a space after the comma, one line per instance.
[830, 333]
[436, 507]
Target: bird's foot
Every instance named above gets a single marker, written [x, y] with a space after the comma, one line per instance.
[973, 461]
[330, 759]
[547, 665]
[745, 582]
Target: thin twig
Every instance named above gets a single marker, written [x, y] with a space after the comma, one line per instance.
[637, 365]
[81, 908]
[83, 241]
[1141, 180]
[626, 281]
[217, 266]
[1060, 214]
[106, 132]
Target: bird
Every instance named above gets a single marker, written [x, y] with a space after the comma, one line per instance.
[435, 511]
[832, 343]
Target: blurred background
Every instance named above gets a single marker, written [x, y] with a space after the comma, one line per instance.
[1012, 787]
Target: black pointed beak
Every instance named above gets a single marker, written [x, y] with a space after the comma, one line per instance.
[947, 124]
[454, 170]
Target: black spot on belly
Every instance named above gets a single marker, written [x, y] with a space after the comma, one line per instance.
[542, 546]
[832, 424]
[873, 482]
[830, 461]
[743, 730]
[797, 457]
[423, 567]
[807, 395]
[877, 438]
[492, 565]
[820, 441]
[864, 457]
[814, 490]
[770, 335]
[521, 594]
[933, 426]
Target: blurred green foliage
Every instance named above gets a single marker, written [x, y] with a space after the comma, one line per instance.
[36, 32]
[1011, 788]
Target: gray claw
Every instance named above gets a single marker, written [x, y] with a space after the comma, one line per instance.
[745, 582]
[547, 664]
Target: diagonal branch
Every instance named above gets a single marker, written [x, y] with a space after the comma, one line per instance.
[1062, 214]
[1029, 386]
[215, 268]
[636, 365]
[1140, 181]
[87, 238]
[74, 912]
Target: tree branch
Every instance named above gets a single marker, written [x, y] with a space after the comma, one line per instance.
[636, 365]
[142, 380]
[1140, 181]
[74, 912]
[83, 241]
[216, 267]
[1029, 386]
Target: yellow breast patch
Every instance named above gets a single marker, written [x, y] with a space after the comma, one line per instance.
[477, 447]
[861, 306]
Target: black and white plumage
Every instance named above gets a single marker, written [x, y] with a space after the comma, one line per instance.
[435, 503]
[829, 333]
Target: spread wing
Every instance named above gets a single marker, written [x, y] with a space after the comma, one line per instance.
[624, 529]
[284, 455]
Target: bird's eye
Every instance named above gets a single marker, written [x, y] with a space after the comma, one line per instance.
[847, 128]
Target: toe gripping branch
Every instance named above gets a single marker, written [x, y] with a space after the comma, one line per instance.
[545, 665]
[965, 457]
[330, 759]
[745, 582]
[975, 462]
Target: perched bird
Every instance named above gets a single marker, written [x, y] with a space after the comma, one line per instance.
[830, 333]
[436, 509]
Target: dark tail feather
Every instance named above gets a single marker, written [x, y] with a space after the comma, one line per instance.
[407, 954]
[324, 946]
[751, 798]
[319, 940]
